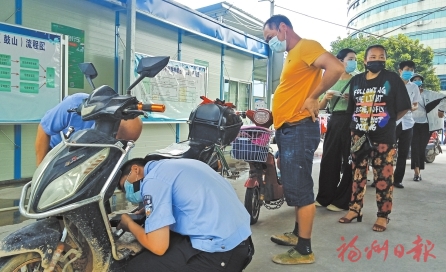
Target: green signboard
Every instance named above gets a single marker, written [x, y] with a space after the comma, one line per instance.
[201, 62]
[75, 53]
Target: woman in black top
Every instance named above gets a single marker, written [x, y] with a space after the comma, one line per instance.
[377, 99]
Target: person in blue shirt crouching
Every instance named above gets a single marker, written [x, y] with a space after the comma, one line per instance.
[194, 219]
[59, 119]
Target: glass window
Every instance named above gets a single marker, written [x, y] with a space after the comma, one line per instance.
[238, 93]
[231, 88]
[243, 96]
[259, 88]
[430, 36]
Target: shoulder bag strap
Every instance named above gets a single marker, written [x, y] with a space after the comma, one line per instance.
[342, 92]
[371, 113]
[371, 110]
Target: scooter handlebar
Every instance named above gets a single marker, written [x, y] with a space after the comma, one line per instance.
[142, 109]
[151, 107]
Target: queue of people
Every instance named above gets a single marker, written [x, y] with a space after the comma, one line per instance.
[378, 105]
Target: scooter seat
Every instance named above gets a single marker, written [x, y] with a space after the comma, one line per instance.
[161, 156]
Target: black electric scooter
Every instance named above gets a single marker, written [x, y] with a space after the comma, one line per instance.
[70, 188]
[212, 124]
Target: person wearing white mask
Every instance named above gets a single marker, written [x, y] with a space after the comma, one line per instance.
[426, 121]
[404, 126]
[295, 109]
[333, 194]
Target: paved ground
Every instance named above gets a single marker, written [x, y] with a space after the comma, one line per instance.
[419, 213]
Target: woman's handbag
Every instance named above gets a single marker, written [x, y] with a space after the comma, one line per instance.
[363, 145]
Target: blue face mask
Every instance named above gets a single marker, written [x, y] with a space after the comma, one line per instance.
[351, 66]
[406, 75]
[418, 82]
[130, 194]
[276, 45]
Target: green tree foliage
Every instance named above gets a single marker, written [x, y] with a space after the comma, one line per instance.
[398, 48]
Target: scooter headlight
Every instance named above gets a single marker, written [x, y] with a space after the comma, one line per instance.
[67, 184]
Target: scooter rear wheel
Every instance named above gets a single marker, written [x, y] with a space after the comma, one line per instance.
[430, 156]
[253, 203]
[27, 262]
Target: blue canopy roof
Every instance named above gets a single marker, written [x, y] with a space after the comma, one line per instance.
[190, 20]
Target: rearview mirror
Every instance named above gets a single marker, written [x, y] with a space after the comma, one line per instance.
[148, 67]
[89, 71]
[152, 65]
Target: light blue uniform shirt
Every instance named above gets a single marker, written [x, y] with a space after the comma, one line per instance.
[58, 119]
[193, 200]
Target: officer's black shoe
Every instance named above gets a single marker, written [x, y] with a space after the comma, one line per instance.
[398, 185]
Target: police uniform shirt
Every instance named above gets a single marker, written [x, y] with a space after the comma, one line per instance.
[58, 119]
[193, 200]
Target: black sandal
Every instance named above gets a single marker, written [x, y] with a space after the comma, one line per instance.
[358, 218]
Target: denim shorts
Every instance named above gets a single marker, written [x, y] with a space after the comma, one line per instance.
[297, 145]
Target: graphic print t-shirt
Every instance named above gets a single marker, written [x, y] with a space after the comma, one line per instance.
[390, 95]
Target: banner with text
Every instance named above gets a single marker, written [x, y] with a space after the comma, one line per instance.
[178, 86]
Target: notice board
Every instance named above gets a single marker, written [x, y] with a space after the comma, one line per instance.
[178, 86]
[30, 73]
[76, 43]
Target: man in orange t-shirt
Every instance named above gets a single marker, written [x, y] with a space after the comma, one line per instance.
[295, 109]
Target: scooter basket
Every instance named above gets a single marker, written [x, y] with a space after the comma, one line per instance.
[252, 144]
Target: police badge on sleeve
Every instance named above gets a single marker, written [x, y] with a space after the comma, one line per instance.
[148, 205]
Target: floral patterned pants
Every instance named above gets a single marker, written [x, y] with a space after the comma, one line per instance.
[382, 163]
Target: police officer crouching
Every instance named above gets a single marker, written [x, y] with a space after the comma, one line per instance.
[194, 219]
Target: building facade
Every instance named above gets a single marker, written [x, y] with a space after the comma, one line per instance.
[424, 20]
[162, 27]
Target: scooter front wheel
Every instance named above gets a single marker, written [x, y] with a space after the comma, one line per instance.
[27, 262]
[253, 203]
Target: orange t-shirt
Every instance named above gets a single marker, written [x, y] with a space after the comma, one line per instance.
[297, 81]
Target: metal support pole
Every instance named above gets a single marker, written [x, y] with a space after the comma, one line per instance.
[130, 42]
[251, 99]
[18, 128]
[17, 151]
[271, 9]
[117, 24]
[269, 74]
[269, 80]
[180, 42]
[18, 14]
[270, 67]
[222, 72]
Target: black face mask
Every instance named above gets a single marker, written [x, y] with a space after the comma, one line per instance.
[375, 66]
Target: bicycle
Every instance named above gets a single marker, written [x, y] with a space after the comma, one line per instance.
[218, 162]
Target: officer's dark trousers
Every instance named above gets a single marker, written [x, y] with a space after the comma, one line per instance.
[404, 138]
[335, 154]
[182, 257]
